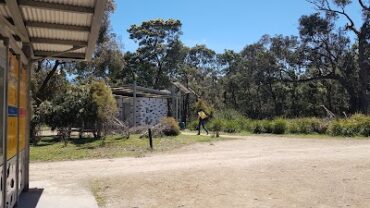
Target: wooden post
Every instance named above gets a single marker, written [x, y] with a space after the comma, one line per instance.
[5, 120]
[20, 69]
[134, 103]
[173, 102]
[150, 138]
[27, 49]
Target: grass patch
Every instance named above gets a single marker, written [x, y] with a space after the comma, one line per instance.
[97, 188]
[50, 149]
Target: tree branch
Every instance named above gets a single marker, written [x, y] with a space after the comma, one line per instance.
[364, 6]
[327, 76]
[325, 6]
[47, 78]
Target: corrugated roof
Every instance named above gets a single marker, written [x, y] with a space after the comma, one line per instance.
[4, 11]
[128, 90]
[56, 17]
[58, 34]
[55, 28]
[85, 3]
[55, 47]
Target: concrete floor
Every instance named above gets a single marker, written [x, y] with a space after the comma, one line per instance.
[50, 196]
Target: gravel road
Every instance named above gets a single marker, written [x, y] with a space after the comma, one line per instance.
[248, 172]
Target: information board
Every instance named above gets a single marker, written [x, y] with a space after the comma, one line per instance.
[12, 106]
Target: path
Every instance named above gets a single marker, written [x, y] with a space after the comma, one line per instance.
[250, 172]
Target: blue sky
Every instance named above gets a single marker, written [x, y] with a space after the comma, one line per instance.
[220, 24]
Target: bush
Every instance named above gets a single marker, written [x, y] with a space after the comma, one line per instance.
[217, 125]
[357, 125]
[229, 114]
[170, 127]
[261, 127]
[267, 126]
[202, 105]
[257, 127]
[307, 126]
[231, 126]
[240, 121]
[279, 126]
[138, 130]
[231, 121]
[193, 125]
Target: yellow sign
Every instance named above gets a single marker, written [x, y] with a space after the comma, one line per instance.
[12, 106]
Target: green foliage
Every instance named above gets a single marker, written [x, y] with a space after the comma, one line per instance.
[202, 105]
[257, 127]
[158, 47]
[230, 121]
[170, 127]
[102, 98]
[193, 125]
[307, 126]
[231, 126]
[217, 125]
[357, 125]
[88, 106]
[279, 126]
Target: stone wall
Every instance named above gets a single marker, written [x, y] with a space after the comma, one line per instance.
[149, 111]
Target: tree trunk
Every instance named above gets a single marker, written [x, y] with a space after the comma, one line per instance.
[46, 81]
[364, 64]
[354, 106]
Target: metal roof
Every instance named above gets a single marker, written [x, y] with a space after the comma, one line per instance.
[128, 91]
[59, 29]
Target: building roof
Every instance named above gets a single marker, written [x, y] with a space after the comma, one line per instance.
[184, 89]
[128, 91]
[59, 29]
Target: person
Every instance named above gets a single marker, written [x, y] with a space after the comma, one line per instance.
[202, 117]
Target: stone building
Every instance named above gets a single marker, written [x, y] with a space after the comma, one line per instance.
[139, 106]
[143, 107]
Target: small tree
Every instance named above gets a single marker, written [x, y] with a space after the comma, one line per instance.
[68, 110]
[103, 103]
[202, 105]
[217, 126]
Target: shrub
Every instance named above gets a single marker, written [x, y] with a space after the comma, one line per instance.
[357, 125]
[307, 126]
[267, 126]
[335, 128]
[256, 127]
[170, 127]
[202, 105]
[217, 126]
[193, 125]
[261, 127]
[279, 126]
[231, 126]
[229, 114]
[138, 130]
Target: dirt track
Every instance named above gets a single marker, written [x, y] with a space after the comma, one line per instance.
[250, 172]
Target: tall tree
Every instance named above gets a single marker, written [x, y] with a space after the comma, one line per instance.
[107, 60]
[337, 8]
[157, 39]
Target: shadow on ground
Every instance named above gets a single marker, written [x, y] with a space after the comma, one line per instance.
[51, 140]
[30, 199]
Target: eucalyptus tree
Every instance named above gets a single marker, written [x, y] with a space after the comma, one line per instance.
[337, 8]
[157, 40]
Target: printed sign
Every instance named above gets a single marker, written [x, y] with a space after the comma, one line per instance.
[12, 106]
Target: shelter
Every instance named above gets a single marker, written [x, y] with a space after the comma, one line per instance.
[31, 30]
[140, 106]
